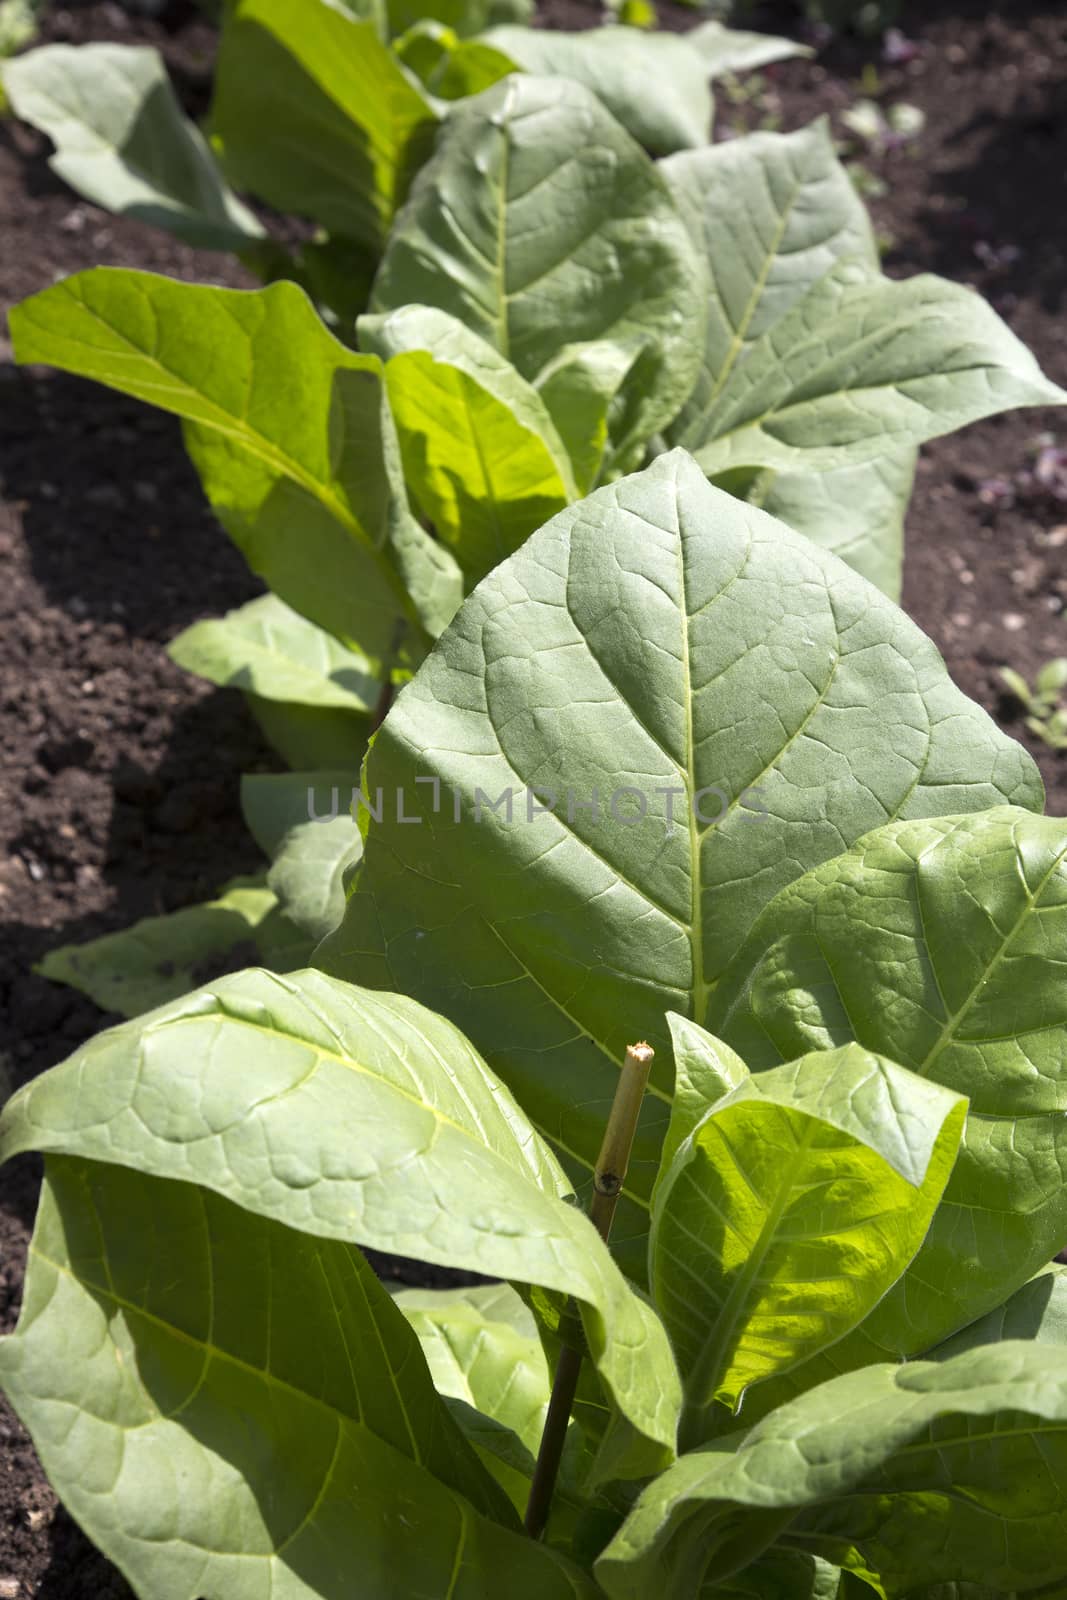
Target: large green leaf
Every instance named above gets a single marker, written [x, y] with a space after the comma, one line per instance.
[813, 361]
[160, 958]
[357, 1117]
[655, 84]
[540, 223]
[289, 430]
[664, 638]
[315, 114]
[771, 213]
[1036, 1311]
[917, 1473]
[304, 822]
[790, 1210]
[940, 944]
[857, 511]
[481, 454]
[123, 141]
[231, 1408]
[862, 365]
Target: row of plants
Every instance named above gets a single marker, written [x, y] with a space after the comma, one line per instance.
[547, 308]
[640, 760]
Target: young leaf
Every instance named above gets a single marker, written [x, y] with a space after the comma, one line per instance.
[617, 64]
[313, 113]
[304, 822]
[448, 66]
[579, 388]
[384, 1128]
[289, 430]
[784, 1575]
[918, 1473]
[540, 223]
[160, 958]
[861, 365]
[705, 1071]
[170, 1338]
[463, 16]
[771, 214]
[790, 1210]
[123, 141]
[689, 705]
[954, 969]
[272, 651]
[481, 454]
[482, 1346]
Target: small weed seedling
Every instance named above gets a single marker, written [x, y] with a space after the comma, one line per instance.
[1045, 701]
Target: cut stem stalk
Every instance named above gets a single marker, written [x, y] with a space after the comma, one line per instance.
[608, 1178]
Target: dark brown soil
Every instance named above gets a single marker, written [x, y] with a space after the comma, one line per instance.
[118, 784]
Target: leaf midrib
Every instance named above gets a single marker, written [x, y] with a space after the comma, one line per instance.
[708, 1367]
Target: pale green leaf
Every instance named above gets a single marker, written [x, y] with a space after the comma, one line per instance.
[724, 50]
[655, 84]
[790, 1210]
[123, 141]
[941, 944]
[312, 696]
[579, 387]
[857, 511]
[540, 223]
[481, 454]
[664, 638]
[272, 651]
[705, 1070]
[309, 737]
[771, 213]
[275, 803]
[160, 958]
[304, 822]
[863, 365]
[255, 1420]
[919, 1473]
[482, 1346]
[315, 114]
[289, 429]
[358, 1117]
[486, 1357]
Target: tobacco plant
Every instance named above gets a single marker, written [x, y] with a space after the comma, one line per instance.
[671, 771]
[552, 307]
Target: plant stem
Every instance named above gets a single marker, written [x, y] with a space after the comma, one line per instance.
[608, 1178]
[388, 692]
